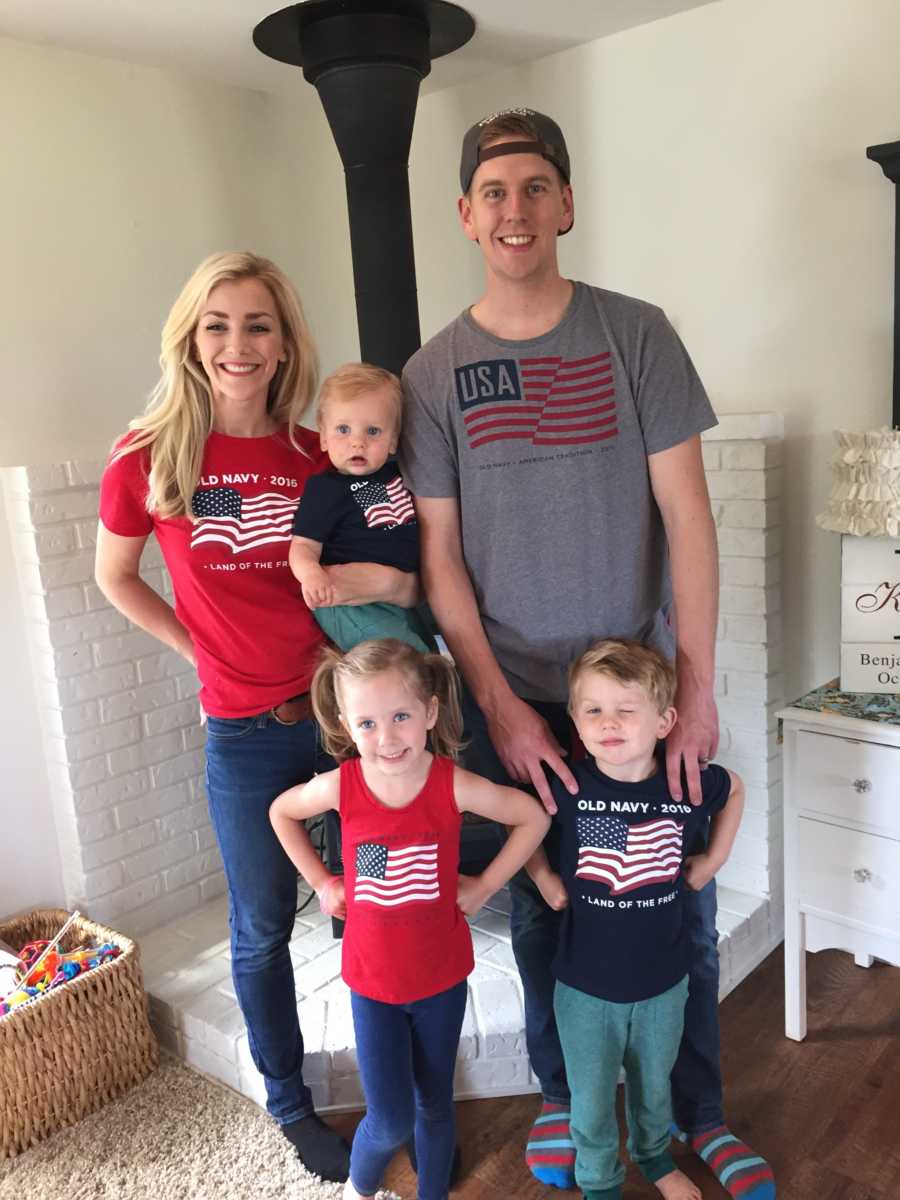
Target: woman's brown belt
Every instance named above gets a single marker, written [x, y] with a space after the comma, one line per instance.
[290, 712]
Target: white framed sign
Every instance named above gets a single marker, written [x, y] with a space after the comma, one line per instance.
[870, 614]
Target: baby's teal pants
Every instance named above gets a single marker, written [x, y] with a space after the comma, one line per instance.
[349, 624]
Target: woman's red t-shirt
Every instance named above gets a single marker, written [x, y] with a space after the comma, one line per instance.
[406, 937]
[255, 640]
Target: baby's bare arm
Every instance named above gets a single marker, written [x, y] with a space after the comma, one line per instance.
[303, 557]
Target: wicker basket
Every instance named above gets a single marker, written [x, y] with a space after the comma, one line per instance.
[77, 1046]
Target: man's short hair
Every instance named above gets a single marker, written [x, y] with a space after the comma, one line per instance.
[629, 662]
[352, 381]
[526, 124]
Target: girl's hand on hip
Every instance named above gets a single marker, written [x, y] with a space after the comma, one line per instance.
[332, 898]
[471, 894]
[524, 742]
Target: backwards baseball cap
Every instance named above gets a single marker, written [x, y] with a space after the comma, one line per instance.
[548, 142]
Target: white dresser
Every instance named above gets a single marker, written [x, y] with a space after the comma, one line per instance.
[841, 837]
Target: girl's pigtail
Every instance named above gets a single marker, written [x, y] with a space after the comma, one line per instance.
[323, 694]
[447, 735]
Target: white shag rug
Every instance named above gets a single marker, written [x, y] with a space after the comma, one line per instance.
[176, 1136]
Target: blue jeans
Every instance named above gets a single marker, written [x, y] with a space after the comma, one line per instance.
[534, 928]
[407, 1055]
[249, 761]
[697, 1074]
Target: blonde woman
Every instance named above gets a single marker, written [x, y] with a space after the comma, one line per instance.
[215, 469]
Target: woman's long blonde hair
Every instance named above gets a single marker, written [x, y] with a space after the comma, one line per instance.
[178, 417]
[427, 674]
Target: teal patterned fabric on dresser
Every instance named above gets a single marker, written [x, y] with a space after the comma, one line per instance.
[865, 706]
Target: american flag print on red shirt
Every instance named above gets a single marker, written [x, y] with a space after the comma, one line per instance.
[627, 856]
[241, 524]
[396, 876]
[387, 504]
[548, 401]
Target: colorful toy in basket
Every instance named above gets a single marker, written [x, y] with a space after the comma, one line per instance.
[44, 967]
[76, 1046]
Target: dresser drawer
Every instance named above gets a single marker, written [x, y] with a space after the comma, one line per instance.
[849, 781]
[850, 874]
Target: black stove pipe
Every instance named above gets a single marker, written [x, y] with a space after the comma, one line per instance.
[887, 156]
[366, 59]
[381, 239]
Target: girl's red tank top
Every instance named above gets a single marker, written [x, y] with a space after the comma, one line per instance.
[405, 937]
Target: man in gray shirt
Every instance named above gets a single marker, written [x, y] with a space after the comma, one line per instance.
[551, 439]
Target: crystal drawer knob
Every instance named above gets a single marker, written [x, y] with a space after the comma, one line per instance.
[862, 874]
[862, 785]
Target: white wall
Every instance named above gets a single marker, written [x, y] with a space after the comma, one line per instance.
[30, 873]
[117, 180]
[719, 170]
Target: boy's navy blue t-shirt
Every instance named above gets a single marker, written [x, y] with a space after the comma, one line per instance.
[360, 518]
[623, 935]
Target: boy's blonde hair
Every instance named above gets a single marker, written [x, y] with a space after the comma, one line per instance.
[629, 662]
[352, 381]
[427, 674]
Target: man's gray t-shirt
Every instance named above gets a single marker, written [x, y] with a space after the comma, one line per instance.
[544, 443]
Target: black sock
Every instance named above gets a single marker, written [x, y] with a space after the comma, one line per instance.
[322, 1151]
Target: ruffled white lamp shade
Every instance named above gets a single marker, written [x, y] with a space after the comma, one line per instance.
[865, 488]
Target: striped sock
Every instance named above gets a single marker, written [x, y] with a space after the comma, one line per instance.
[550, 1153]
[741, 1172]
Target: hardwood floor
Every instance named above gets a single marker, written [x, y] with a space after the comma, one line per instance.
[826, 1112]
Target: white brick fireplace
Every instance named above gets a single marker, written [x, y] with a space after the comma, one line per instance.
[122, 742]
[121, 730]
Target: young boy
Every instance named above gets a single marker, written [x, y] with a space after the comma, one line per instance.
[625, 861]
[359, 510]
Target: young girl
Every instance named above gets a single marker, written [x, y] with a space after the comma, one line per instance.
[407, 948]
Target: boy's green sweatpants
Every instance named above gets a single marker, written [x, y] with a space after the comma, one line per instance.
[598, 1038]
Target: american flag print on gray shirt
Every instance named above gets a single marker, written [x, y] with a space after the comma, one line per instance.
[241, 524]
[627, 856]
[396, 876]
[548, 401]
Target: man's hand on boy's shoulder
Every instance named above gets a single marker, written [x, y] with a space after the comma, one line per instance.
[524, 742]
[692, 743]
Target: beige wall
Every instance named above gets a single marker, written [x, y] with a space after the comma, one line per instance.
[118, 179]
[30, 868]
[719, 169]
